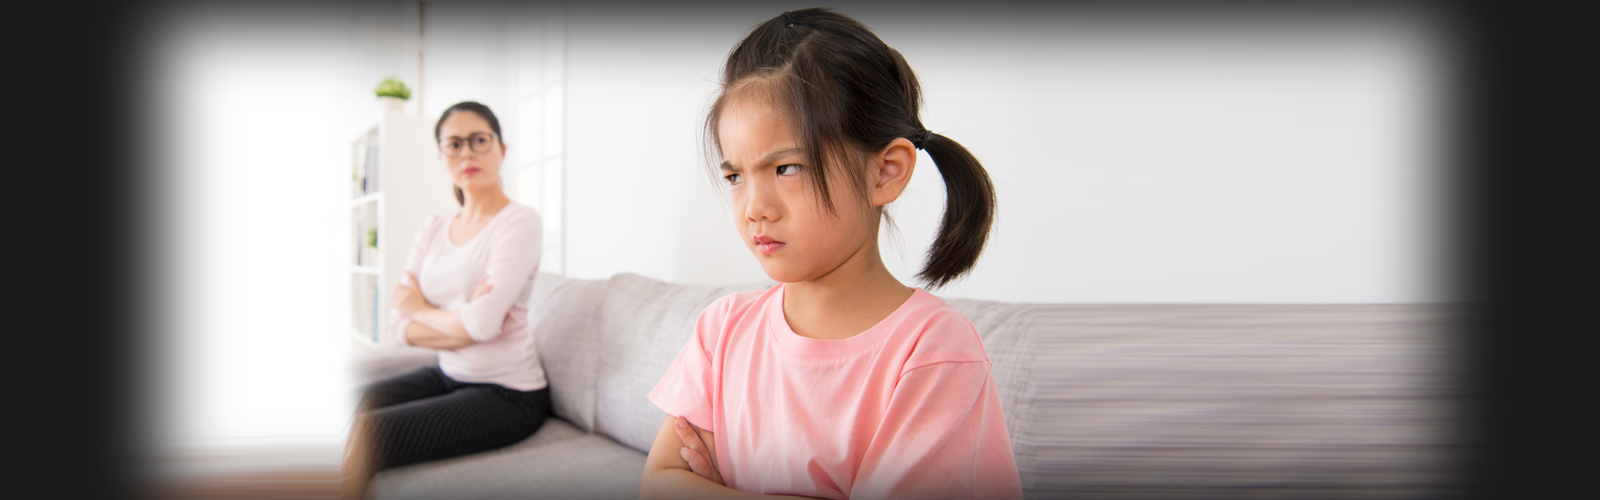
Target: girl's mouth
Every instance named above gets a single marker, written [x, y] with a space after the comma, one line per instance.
[470, 171]
[766, 245]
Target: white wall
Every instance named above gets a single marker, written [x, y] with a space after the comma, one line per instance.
[1141, 158]
[638, 197]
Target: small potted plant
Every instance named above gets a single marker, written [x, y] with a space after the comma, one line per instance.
[392, 93]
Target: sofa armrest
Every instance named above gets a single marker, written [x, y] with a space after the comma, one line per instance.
[371, 365]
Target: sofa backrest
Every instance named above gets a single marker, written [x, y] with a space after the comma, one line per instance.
[565, 314]
[1148, 400]
[1234, 400]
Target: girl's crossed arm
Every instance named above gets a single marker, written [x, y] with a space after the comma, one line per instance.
[682, 464]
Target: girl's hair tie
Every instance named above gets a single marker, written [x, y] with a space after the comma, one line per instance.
[788, 19]
[926, 134]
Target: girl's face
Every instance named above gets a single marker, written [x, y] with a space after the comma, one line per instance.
[464, 133]
[775, 206]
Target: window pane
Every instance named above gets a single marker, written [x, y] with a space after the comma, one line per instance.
[530, 188]
[553, 100]
[528, 121]
[552, 196]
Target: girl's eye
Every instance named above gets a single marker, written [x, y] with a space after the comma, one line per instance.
[789, 169]
[733, 179]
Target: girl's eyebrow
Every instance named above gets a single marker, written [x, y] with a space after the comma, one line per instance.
[769, 158]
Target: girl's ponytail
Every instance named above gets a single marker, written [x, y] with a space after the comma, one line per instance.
[968, 211]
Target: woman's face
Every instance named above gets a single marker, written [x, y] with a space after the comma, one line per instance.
[470, 170]
[775, 206]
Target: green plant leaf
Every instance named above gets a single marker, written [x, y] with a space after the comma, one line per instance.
[393, 87]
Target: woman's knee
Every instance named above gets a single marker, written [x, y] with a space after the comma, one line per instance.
[418, 384]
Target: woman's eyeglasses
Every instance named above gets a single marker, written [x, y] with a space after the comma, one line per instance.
[480, 143]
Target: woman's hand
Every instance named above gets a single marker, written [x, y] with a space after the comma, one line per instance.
[407, 297]
[482, 289]
[702, 459]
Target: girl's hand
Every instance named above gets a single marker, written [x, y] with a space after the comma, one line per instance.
[701, 459]
[407, 297]
[482, 289]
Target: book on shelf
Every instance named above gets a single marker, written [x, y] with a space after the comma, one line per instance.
[375, 309]
[356, 168]
[355, 239]
[360, 311]
[367, 172]
[375, 169]
[370, 179]
[357, 232]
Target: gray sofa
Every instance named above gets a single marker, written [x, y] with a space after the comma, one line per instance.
[1101, 401]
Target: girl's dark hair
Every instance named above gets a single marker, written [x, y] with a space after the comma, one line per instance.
[847, 94]
[473, 107]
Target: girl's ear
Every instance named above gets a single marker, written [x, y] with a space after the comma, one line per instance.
[892, 171]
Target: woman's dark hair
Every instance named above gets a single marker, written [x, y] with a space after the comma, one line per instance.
[847, 94]
[473, 107]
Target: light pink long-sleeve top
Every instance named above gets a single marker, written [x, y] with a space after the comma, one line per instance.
[906, 409]
[507, 251]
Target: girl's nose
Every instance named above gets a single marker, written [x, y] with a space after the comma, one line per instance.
[763, 203]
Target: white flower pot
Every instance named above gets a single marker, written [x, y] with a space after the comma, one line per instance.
[391, 103]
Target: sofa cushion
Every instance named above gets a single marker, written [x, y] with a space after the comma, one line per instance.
[558, 461]
[565, 314]
[643, 325]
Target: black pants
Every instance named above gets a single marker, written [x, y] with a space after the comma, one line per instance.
[425, 415]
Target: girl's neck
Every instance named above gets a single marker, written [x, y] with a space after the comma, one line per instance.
[846, 301]
[483, 205]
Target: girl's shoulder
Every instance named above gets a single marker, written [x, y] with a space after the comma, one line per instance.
[936, 332]
[734, 314]
[929, 311]
[733, 306]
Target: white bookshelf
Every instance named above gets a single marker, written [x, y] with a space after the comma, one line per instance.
[397, 182]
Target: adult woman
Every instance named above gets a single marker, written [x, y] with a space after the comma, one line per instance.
[465, 292]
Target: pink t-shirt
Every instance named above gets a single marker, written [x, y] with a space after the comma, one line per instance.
[507, 251]
[906, 409]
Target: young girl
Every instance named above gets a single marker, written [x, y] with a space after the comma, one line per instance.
[839, 382]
